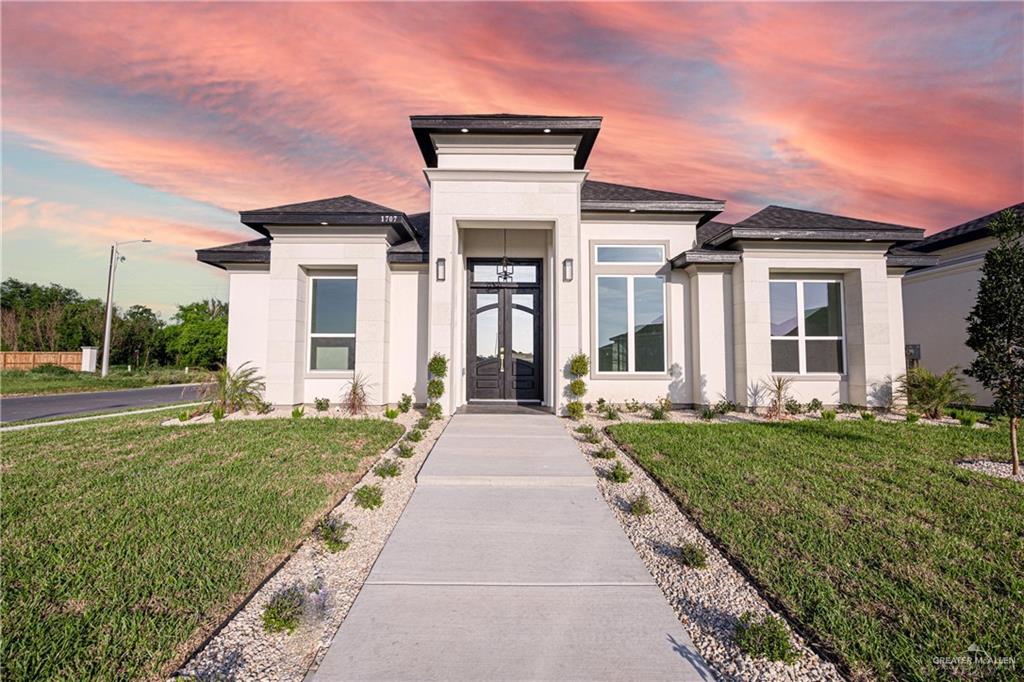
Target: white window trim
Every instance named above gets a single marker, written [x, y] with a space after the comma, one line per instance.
[323, 335]
[801, 338]
[598, 247]
[630, 327]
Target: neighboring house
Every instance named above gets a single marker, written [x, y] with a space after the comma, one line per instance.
[938, 299]
[522, 262]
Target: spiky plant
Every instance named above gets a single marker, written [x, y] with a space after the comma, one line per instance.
[231, 391]
[354, 397]
[778, 388]
[932, 393]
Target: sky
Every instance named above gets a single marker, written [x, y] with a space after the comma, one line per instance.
[163, 120]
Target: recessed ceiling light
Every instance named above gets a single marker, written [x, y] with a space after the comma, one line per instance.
[775, 239]
[632, 210]
[465, 130]
[323, 223]
[868, 239]
[547, 130]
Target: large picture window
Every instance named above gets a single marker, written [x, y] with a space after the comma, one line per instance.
[630, 323]
[807, 329]
[332, 324]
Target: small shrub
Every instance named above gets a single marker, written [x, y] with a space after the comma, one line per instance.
[263, 407]
[405, 404]
[405, 451]
[579, 365]
[707, 413]
[233, 391]
[438, 366]
[435, 389]
[692, 555]
[633, 405]
[575, 410]
[355, 398]
[391, 413]
[967, 418]
[434, 411]
[867, 416]
[765, 638]
[52, 369]
[578, 387]
[389, 468]
[415, 435]
[828, 415]
[284, 610]
[619, 473]
[601, 402]
[369, 496]
[912, 417]
[584, 429]
[778, 388]
[298, 412]
[793, 406]
[814, 406]
[217, 412]
[847, 408]
[424, 423]
[331, 531]
[605, 453]
[932, 393]
[322, 404]
[592, 438]
[725, 407]
[641, 506]
[183, 416]
[658, 412]
[610, 413]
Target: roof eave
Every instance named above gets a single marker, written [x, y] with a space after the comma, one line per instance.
[899, 235]
[258, 220]
[910, 261]
[409, 258]
[221, 259]
[706, 257]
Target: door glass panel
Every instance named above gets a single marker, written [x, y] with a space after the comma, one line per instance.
[487, 327]
[525, 273]
[612, 325]
[649, 324]
[782, 297]
[822, 315]
[522, 328]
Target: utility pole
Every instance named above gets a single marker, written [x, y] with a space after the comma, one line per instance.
[115, 256]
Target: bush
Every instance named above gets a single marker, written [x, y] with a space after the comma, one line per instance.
[415, 435]
[389, 468]
[633, 405]
[578, 387]
[438, 367]
[322, 404]
[435, 389]
[355, 398]
[725, 407]
[610, 413]
[217, 412]
[263, 407]
[579, 365]
[692, 555]
[369, 496]
[424, 423]
[912, 417]
[233, 391]
[658, 412]
[434, 411]
[932, 393]
[183, 416]
[298, 411]
[405, 404]
[331, 532]
[767, 638]
[867, 416]
[585, 429]
[828, 415]
[405, 451]
[793, 406]
[814, 406]
[967, 418]
[847, 408]
[593, 439]
[52, 369]
[707, 413]
[605, 453]
[575, 409]
[391, 413]
[601, 402]
[619, 473]
[284, 610]
[641, 506]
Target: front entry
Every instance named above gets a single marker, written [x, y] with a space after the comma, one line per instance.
[505, 331]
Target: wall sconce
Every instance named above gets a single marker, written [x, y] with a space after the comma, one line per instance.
[439, 270]
[567, 269]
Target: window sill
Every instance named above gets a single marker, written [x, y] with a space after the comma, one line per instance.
[825, 376]
[328, 374]
[601, 376]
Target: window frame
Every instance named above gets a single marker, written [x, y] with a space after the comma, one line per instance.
[630, 326]
[801, 337]
[598, 247]
[310, 334]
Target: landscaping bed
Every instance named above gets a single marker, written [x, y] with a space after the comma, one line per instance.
[868, 535]
[127, 543]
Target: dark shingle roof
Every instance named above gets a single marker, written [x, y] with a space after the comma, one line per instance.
[963, 233]
[343, 210]
[343, 204]
[413, 250]
[607, 196]
[907, 258]
[253, 251]
[780, 222]
[710, 229]
[593, 190]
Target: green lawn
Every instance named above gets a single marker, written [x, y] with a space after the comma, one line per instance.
[125, 542]
[868, 534]
[15, 382]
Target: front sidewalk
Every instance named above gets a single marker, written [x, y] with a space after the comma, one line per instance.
[508, 564]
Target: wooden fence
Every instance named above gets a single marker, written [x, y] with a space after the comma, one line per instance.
[24, 361]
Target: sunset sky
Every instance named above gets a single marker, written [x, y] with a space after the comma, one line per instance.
[164, 120]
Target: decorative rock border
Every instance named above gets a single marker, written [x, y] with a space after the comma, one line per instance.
[997, 469]
[710, 600]
[241, 650]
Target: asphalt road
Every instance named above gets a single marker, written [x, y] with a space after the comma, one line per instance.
[67, 404]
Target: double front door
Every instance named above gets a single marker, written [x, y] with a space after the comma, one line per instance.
[505, 332]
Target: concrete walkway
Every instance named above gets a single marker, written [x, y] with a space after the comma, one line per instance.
[508, 565]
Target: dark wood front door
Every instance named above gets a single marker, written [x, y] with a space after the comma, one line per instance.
[505, 332]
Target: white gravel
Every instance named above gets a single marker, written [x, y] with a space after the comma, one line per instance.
[710, 600]
[997, 469]
[243, 651]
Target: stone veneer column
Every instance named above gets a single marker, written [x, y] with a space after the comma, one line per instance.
[711, 331]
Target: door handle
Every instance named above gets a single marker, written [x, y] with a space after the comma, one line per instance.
[501, 359]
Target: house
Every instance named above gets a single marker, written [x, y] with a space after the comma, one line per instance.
[523, 261]
[937, 299]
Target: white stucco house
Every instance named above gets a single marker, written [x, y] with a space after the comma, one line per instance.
[523, 261]
[937, 299]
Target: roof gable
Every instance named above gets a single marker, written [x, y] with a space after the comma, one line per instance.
[343, 210]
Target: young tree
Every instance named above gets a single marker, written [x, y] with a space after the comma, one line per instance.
[995, 327]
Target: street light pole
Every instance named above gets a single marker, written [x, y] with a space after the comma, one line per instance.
[115, 256]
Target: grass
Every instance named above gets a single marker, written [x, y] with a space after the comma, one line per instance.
[867, 533]
[126, 543]
[16, 382]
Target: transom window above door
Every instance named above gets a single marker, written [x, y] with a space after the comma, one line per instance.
[807, 326]
[630, 254]
[332, 324]
[519, 273]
